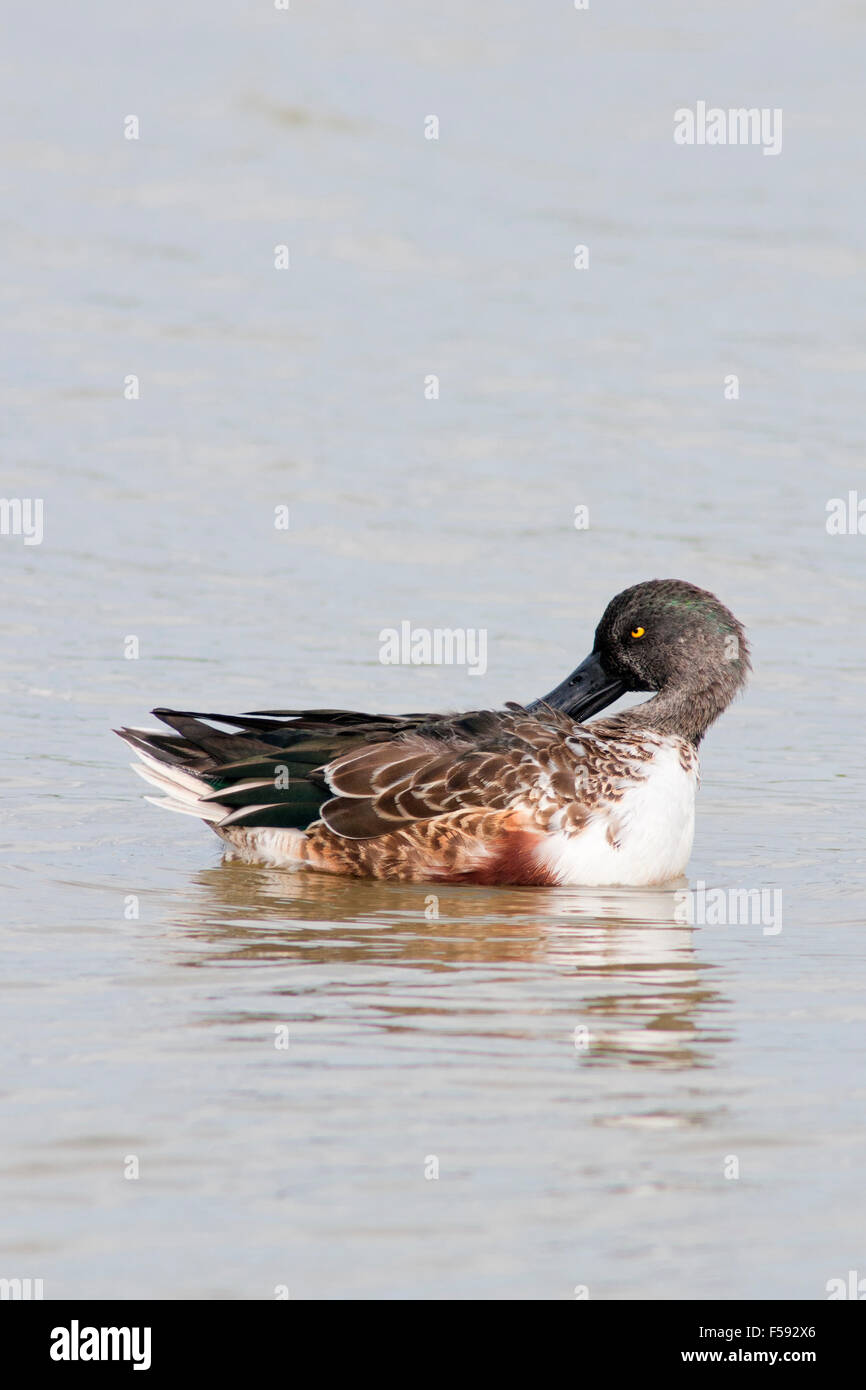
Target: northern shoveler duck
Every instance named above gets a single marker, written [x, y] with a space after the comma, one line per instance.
[522, 795]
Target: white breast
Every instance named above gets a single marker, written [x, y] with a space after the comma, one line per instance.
[644, 838]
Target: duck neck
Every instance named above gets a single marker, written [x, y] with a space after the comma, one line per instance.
[685, 711]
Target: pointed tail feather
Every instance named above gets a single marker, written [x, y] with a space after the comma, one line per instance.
[182, 790]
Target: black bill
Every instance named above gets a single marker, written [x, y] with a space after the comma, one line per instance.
[586, 691]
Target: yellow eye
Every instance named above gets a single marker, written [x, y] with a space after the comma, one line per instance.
[638, 632]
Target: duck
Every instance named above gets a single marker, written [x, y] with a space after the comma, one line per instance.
[536, 794]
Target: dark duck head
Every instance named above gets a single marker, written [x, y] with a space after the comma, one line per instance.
[669, 637]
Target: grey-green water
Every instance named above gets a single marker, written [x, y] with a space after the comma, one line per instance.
[410, 1039]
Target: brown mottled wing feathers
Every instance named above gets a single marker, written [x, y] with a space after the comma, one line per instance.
[391, 786]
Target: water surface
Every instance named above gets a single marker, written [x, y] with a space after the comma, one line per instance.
[593, 1159]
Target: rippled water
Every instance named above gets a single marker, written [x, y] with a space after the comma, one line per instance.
[593, 1158]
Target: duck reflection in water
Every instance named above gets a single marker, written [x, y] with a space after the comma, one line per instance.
[615, 967]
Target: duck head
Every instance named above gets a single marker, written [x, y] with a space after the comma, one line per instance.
[665, 636]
